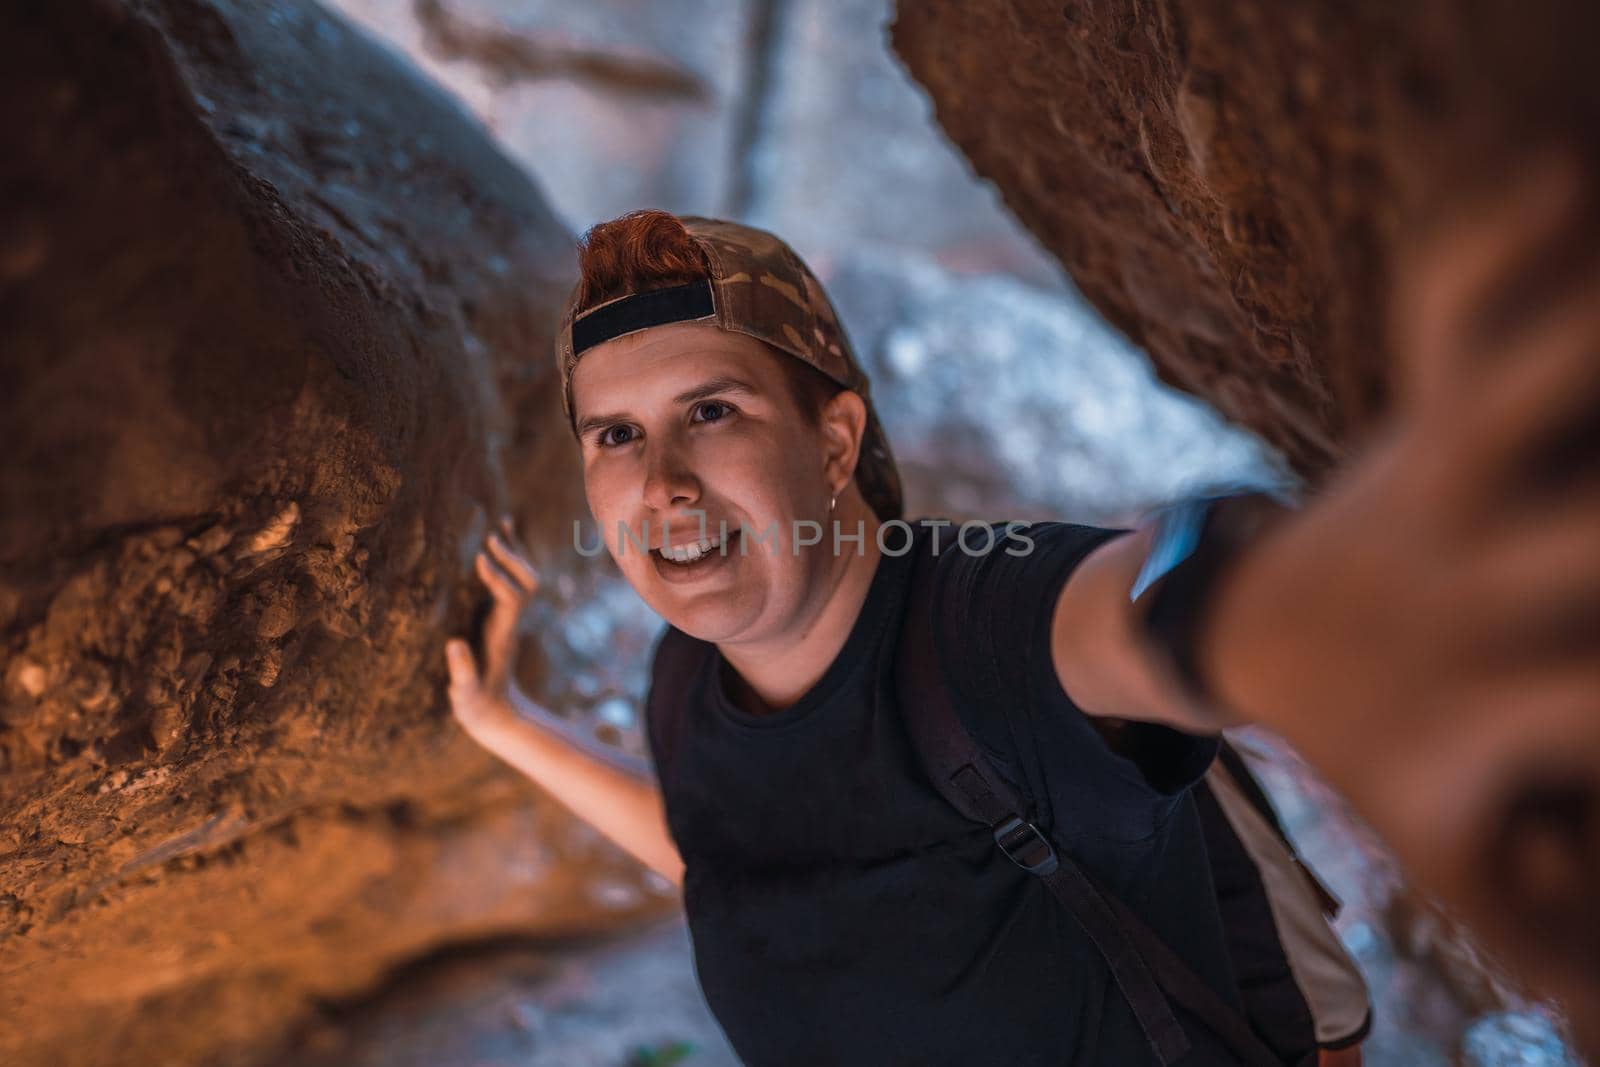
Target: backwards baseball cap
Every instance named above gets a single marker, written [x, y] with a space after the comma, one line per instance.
[760, 287]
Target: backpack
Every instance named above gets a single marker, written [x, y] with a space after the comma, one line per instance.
[1300, 985]
[1288, 1024]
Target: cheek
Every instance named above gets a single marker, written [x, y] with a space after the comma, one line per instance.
[601, 487]
[606, 504]
[768, 471]
[594, 491]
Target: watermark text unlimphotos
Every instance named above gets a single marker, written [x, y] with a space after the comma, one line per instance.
[894, 537]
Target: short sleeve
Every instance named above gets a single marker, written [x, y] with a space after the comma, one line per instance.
[994, 611]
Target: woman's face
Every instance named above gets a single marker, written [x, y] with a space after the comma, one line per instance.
[688, 418]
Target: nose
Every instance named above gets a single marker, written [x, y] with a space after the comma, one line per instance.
[669, 483]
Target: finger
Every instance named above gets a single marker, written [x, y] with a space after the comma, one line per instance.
[500, 628]
[510, 529]
[1549, 395]
[1543, 837]
[462, 665]
[1482, 244]
[519, 569]
[1532, 604]
[496, 580]
[1452, 282]
[1542, 858]
[1444, 780]
[1567, 629]
[1546, 550]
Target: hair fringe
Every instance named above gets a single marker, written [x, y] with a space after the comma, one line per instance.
[634, 253]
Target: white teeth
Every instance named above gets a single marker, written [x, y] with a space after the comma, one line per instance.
[690, 552]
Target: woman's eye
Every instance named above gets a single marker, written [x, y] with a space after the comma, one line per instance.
[718, 410]
[607, 441]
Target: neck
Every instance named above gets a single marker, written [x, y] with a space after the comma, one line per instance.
[774, 674]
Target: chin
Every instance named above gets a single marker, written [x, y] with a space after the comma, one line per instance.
[719, 611]
[712, 621]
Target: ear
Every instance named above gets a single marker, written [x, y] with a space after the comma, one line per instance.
[843, 424]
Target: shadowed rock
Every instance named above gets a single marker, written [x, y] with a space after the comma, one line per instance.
[267, 301]
[1226, 182]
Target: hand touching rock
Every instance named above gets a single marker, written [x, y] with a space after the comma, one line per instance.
[481, 694]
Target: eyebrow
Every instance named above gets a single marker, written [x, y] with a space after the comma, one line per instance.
[710, 387]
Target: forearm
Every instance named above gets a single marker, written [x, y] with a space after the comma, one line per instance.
[1101, 658]
[1240, 648]
[609, 790]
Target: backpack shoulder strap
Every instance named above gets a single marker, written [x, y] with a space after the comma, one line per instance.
[1141, 964]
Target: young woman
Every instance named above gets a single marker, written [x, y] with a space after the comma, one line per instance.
[841, 912]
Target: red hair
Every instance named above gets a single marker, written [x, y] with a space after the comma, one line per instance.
[635, 253]
[651, 249]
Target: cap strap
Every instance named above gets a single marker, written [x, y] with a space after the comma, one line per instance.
[656, 307]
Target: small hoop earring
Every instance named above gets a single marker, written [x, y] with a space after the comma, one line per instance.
[831, 499]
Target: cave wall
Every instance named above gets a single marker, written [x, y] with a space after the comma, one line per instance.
[273, 317]
[1228, 181]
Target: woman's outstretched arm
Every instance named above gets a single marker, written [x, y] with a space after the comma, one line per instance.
[1426, 630]
[611, 791]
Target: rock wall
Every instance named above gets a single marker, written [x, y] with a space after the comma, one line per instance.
[273, 316]
[268, 305]
[1227, 180]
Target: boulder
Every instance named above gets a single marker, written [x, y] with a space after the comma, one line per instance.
[269, 302]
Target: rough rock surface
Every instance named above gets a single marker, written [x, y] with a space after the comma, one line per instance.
[1226, 180]
[271, 321]
[267, 300]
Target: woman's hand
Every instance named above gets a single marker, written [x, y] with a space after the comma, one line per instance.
[614, 793]
[481, 694]
[1427, 631]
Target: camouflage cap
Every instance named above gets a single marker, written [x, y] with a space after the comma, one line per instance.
[760, 287]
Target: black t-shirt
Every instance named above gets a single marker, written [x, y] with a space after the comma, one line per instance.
[841, 912]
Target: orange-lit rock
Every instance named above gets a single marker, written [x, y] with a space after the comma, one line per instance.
[266, 300]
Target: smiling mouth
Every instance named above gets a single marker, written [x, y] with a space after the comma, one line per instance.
[699, 559]
[693, 551]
